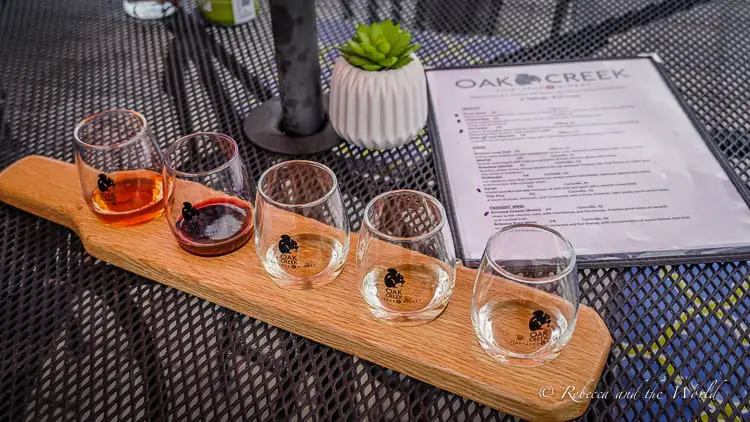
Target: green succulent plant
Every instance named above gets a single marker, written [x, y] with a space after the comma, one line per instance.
[382, 45]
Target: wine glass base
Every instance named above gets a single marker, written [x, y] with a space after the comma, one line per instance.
[217, 249]
[407, 319]
[518, 359]
[314, 282]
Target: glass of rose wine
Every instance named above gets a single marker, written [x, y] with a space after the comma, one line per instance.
[119, 165]
[208, 194]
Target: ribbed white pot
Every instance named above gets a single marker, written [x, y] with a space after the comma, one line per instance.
[378, 110]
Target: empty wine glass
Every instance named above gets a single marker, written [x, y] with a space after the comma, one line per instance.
[302, 231]
[405, 258]
[525, 301]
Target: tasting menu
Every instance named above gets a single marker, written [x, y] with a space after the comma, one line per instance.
[604, 151]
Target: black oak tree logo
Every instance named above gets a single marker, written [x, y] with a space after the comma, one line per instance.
[538, 319]
[188, 212]
[286, 244]
[526, 79]
[104, 182]
[393, 279]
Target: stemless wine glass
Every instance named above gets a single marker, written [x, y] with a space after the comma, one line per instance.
[525, 301]
[119, 164]
[405, 258]
[208, 194]
[302, 231]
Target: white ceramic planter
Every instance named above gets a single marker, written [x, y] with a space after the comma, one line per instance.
[378, 110]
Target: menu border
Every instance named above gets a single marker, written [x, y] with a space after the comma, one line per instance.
[671, 257]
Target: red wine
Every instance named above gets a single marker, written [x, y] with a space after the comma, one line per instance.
[214, 226]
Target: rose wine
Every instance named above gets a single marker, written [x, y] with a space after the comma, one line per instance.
[214, 226]
[128, 198]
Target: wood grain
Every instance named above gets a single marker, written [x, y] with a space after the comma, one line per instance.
[444, 352]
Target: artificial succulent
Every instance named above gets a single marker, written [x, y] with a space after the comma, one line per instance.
[382, 45]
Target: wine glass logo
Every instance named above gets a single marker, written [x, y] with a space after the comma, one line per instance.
[104, 182]
[286, 244]
[538, 319]
[393, 279]
[188, 212]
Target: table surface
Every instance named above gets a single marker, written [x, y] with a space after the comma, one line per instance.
[81, 339]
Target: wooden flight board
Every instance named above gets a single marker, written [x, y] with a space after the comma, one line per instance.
[443, 353]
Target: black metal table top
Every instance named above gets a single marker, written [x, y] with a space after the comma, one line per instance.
[80, 339]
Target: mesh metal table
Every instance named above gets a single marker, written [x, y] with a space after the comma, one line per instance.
[80, 339]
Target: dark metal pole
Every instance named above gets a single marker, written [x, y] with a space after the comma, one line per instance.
[296, 39]
[296, 122]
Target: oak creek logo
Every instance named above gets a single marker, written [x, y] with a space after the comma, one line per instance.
[191, 224]
[538, 319]
[286, 246]
[539, 324]
[106, 187]
[393, 282]
[525, 79]
[188, 212]
[539, 331]
[104, 182]
[393, 279]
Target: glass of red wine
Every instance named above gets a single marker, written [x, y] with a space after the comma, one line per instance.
[208, 194]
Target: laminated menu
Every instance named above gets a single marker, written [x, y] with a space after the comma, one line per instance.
[604, 151]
